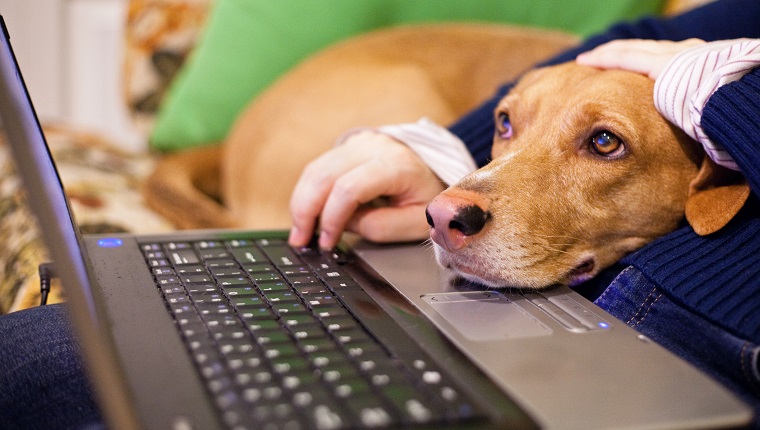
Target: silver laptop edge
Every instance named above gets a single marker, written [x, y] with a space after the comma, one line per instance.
[51, 208]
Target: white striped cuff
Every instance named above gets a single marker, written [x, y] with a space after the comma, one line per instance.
[445, 154]
[691, 77]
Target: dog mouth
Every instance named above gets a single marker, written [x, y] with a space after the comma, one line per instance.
[582, 272]
[478, 273]
[473, 276]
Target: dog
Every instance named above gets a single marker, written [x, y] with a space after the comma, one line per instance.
[584, 170]
[547, 210]
[388, 76]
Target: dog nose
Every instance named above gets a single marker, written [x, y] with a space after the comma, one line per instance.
[469, 220]
[451, 223]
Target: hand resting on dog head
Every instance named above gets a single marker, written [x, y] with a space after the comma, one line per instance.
[687, 72]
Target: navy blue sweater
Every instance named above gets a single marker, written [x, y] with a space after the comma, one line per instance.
[718, 276]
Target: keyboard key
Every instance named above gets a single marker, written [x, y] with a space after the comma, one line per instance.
[281, 296]
[248, 255]
[294, 365]
[229, 281]
[248, 313]
[280, 349]
[241, 291]
[278, 285]
[222, 263]
[282, 255]
[351, 387]
[236, 346]
[200, 278]
[182, 256]
[273, 337]
[296, 320]
[304, 290]
[191, 269]
[267, 277]
[213, 308]
[208, 287]
[314, 344]
[207, 297]
[326, 418]
[259, 268]
[226, 271]
[289, 271]
[237, 360]
[308, 332]
[248, 300]
[337, 373]
[213, 253]
[289, 307]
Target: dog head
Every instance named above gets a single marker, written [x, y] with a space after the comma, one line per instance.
[584, 170]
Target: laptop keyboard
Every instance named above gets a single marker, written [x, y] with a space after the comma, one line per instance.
[277, 346]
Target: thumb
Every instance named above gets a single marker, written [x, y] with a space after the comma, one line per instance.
[391, 223]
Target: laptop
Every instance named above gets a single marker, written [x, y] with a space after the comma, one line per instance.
[235, 329]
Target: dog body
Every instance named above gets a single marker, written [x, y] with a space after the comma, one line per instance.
[385, 77]
[584, 171]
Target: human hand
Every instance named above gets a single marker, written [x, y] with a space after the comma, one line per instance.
[338, 189]
[648, 57]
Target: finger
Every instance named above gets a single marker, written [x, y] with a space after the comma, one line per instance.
[391, 224]
[306, 203]
[362, 184]
[647, 57]
[633, 55]
[311, 192]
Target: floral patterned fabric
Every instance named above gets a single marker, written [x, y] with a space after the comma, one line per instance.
[103, 183]
[159, 34]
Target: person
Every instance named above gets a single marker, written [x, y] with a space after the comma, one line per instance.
[691, 294]
[697, 296]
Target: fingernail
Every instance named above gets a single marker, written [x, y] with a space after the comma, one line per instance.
[295, 237]
[325, 241]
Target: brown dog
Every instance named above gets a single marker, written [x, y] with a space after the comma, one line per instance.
[584, 171]
[385, 77]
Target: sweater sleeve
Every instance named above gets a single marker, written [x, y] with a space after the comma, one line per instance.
[724, 19]
[730, 118]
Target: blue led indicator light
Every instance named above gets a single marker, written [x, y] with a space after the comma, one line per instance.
[110, 242]
[603, 325]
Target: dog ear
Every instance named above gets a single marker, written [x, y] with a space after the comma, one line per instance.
[715, 196]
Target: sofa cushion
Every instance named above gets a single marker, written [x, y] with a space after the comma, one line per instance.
[248, 44]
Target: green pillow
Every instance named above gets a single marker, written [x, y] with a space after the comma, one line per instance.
[247, 44]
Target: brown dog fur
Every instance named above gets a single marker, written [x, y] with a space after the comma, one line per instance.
[551, 210]
[388, 76]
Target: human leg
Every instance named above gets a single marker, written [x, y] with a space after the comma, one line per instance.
[42, 377]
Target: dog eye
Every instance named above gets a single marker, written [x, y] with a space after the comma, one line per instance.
[606, 144]
[503, 126]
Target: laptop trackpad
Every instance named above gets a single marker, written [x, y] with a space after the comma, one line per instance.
[485, 315]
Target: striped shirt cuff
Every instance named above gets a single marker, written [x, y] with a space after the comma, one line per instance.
[691, 77]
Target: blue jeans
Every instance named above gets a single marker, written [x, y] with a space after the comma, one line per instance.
[43, 385]
[42, 380]
[728, 358]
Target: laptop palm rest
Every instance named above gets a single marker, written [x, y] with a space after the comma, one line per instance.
[608, 376]
[487, 315]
